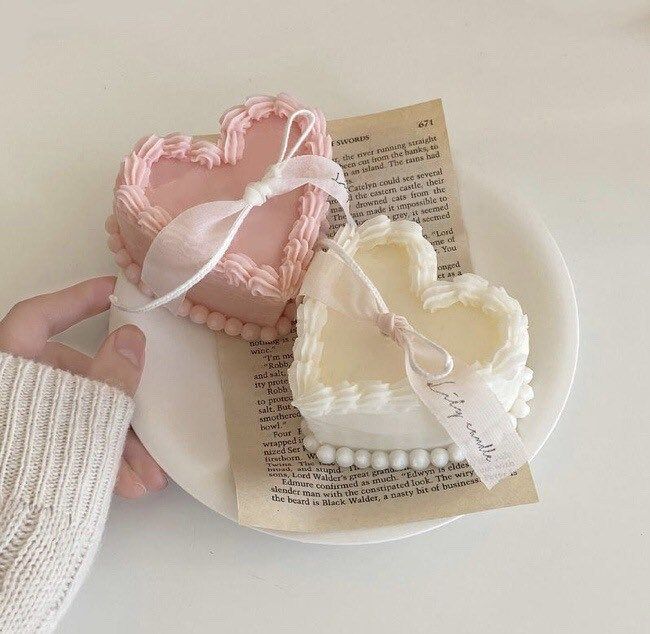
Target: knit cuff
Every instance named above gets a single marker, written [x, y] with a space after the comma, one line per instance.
[61, 437]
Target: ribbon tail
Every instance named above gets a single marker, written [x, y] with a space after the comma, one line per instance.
[475, 419]
[186, 250]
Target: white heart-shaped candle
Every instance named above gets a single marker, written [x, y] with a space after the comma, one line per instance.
[349, 381]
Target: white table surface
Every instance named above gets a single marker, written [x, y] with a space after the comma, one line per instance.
[549, 99]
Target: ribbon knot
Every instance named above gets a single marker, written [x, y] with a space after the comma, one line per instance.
[258, 192]
[393, 326]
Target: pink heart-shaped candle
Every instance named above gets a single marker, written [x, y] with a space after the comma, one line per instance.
[248, 293]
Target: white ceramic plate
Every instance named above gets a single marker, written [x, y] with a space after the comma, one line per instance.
[180, 415]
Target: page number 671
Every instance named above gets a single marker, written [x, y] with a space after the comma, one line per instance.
[425, 123]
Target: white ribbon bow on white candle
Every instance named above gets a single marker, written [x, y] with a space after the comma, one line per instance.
[454, 393]
[192, 244]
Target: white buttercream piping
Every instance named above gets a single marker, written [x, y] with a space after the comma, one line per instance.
[505, 370]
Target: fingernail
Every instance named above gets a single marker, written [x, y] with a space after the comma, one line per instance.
[129, 343]
[141, 487]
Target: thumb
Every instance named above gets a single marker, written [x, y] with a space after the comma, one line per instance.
[120, 359]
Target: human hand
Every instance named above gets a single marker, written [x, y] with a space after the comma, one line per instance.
[26, 331]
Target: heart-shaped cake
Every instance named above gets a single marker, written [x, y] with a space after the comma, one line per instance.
[248, 293]
[349, 381]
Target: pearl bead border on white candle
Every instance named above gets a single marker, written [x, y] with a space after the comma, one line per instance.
[398, 459]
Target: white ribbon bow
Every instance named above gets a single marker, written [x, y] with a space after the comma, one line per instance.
[454, 393]
[192, 244]
[364, 302]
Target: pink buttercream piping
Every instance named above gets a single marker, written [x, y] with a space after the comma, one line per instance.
[238, 268]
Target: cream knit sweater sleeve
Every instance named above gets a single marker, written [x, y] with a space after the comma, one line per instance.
[61, 438]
